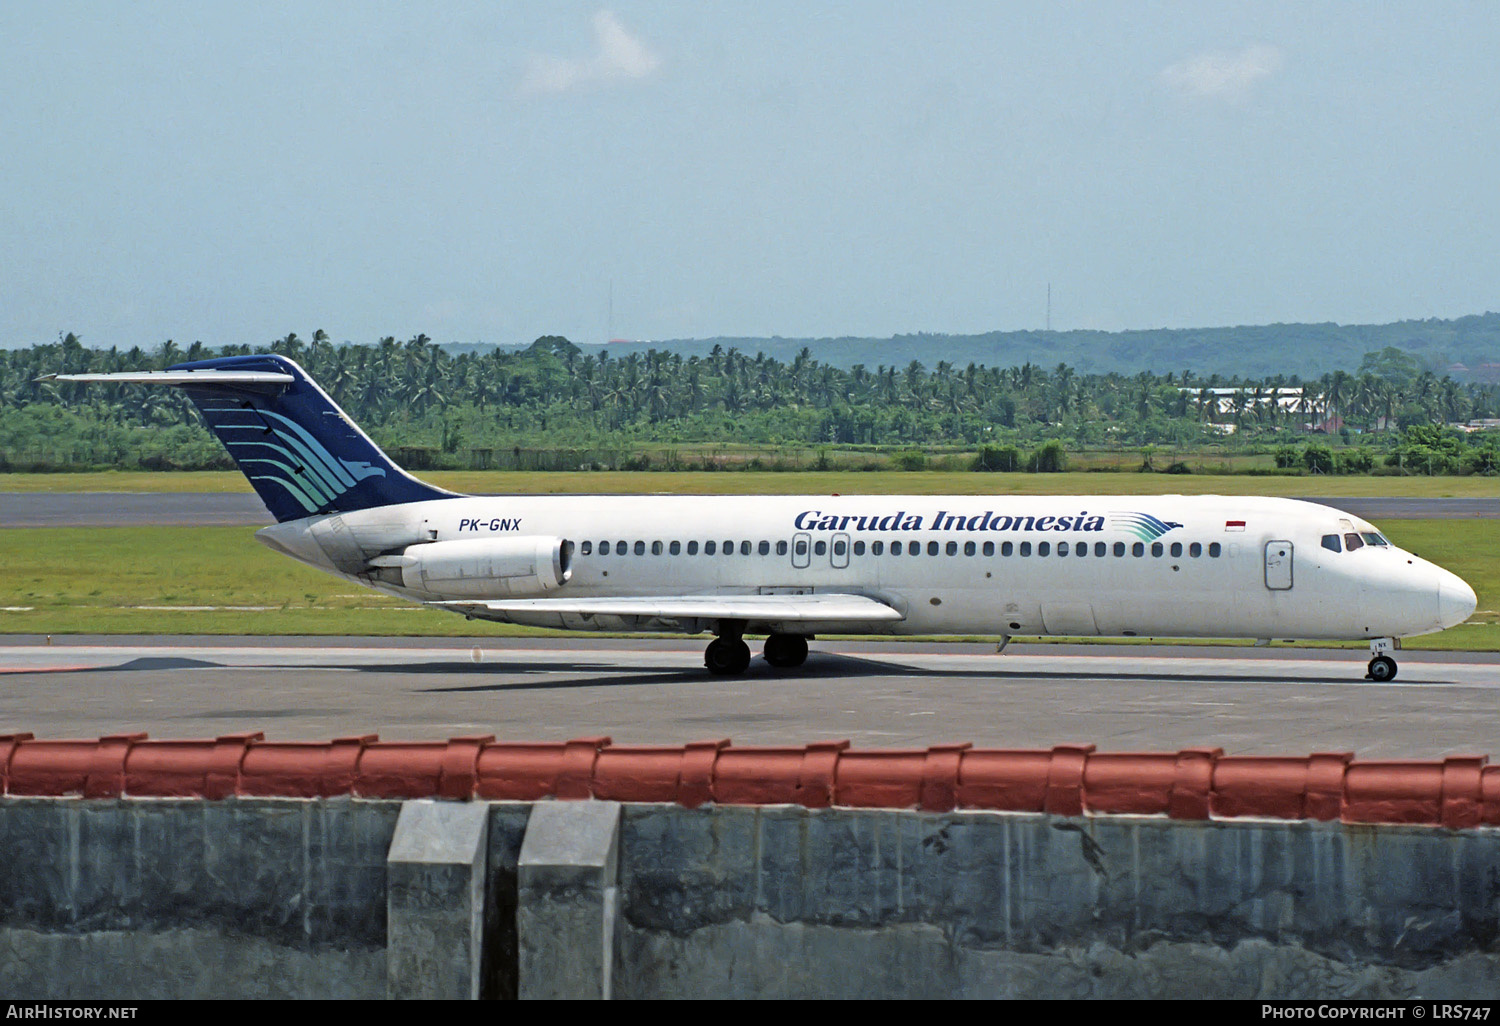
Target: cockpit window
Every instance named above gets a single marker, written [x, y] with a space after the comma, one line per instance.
[1353, 541]
[1331, 543]
[1372, 538]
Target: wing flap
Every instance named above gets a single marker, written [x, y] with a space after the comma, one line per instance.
[778, 608]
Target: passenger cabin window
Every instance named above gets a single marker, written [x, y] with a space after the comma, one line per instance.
[989, 548]
[1062, 548]
[820, 547]
[692, 548]
[640, 548]
[1156, 549]
[1044, 549]
[1081, 549]
[859, 548]
[764, 548]
[1119, 548]
[1006, 548]
[1195, 550]
[1176, 549]
[1100, 548]
[952, 548]
[877, 548]
[587, 548]
[932, 548]
[895, 548]
[709, 548]
[1353, 541]
[1331, 543]
[1214, 549]
[728, 548]
[801, 548]
[968, 548]
[913, 548]
[675, 548]
[744, 548]
[656, 548]
[1026, 548]
[1138, 549]
[839, 547]
[781, 548]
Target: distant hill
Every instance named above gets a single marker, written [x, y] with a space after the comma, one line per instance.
[1250, 351]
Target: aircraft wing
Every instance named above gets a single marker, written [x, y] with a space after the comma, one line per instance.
[811, 608]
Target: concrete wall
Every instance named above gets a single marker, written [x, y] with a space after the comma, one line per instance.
[255, 897]
[861, 903]
[139, 899]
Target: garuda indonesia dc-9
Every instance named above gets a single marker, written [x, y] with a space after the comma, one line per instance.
[792, 567]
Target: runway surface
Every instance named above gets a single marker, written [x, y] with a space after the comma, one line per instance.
[876, 694]
[124, 509]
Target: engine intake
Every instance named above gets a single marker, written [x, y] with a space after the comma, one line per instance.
[479, 567]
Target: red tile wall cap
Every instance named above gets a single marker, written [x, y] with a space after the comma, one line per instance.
[8, 745]
[106, 774]
[695, 783]
[1458, 792]
[1065, 780]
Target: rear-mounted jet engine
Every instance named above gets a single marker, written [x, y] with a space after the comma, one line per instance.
[479, 567]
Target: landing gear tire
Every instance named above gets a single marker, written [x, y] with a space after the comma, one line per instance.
[786, 650]
[1382, 669]
[726, 656]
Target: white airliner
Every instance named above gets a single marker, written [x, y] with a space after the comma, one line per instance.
[791, 567]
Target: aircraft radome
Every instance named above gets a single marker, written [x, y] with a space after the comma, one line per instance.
[792, 567]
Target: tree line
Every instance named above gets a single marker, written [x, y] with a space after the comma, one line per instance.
[483, 408]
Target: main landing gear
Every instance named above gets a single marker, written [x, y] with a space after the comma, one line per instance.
[786, 650]
[728, 654]
[1382, 667]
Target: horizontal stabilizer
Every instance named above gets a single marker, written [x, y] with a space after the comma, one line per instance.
[813, 608]
[207, 378]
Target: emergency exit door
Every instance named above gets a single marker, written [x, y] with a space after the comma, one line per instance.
[1278, 565]
[801, 551]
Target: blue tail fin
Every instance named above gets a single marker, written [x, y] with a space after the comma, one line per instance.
[302, 454]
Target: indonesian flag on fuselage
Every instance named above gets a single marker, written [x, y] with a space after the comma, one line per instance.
[1234, 525]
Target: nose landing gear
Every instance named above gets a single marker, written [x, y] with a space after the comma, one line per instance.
[1382, 667]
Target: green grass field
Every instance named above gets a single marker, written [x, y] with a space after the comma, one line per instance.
[129, 580]
[849, 482]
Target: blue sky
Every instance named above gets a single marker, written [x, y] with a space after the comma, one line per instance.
[485, 171]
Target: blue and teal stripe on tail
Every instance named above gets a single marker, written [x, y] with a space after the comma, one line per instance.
[301, 453]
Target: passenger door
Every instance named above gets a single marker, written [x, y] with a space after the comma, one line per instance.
[1278, 565]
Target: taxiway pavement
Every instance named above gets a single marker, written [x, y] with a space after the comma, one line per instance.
[876, 694]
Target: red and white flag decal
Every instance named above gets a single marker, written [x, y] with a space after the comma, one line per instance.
[1234, 525]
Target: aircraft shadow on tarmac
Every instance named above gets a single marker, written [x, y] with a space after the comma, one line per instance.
[820, 665]
[164, 663]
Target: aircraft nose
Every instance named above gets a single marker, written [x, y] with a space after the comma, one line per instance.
[1456, 600]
